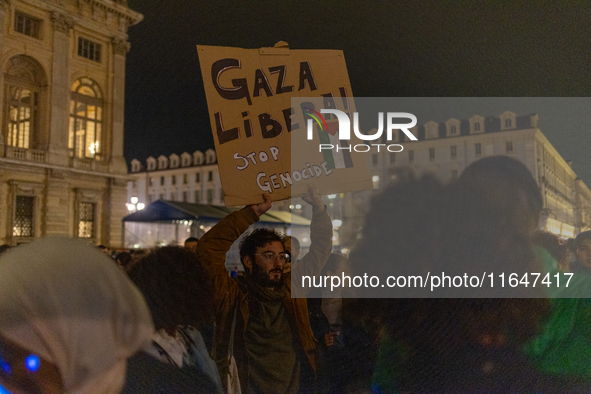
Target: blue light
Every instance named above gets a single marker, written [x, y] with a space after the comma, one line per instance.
[5, 367]
[3, 390]
[32, 363]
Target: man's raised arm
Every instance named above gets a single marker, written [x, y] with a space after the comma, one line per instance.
[320, 238]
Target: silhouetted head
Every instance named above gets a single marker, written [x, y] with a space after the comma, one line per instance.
[191, 244]
[177, 287]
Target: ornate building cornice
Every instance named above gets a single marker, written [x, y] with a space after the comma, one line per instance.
[117, 8]
[120, 46]
[61, 22]
[4, 5]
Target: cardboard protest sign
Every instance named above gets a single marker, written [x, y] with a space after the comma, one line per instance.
[249, 95]
[319, 153]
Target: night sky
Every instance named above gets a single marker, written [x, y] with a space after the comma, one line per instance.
[392, 49]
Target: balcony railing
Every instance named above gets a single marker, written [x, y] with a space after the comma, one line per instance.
[41, 156]
[37, 156]
[90, 165]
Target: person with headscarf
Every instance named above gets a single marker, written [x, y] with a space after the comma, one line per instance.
[69, 319]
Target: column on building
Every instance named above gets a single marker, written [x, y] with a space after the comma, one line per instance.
[60, 88]
[120, 49]
[115, 211]
[57, 204]
[57, 199]
[4, 18]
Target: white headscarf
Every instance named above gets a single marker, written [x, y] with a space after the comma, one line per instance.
[64, 300]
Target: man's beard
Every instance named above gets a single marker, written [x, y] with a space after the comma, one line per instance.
[262, 278]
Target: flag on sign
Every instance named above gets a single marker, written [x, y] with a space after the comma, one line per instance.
[328, 133]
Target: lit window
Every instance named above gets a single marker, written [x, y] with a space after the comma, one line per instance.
[26, 25]
[23, 217]
[454, 151]
[22, 114]
[24, 81]
[86, 220]
[376, 181]
[88, 49]
[86, 116]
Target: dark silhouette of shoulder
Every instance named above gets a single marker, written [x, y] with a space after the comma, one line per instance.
[147, 375]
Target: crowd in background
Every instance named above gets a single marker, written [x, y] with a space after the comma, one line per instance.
[84, 319]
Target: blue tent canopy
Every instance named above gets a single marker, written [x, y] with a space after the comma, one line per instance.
[167, 211]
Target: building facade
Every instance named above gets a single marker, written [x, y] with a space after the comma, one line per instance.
[186, 178]
[583, 206]
[192, 178]
[62, 170]
[446, 149]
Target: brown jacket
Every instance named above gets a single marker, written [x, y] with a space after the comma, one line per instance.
[229, 292]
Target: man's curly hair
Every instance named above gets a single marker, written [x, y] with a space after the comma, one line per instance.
[177, 287]
[256, 239]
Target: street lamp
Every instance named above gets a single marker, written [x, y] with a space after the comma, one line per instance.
[134, 205]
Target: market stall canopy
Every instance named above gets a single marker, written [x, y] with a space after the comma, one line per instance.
[167, 211]
[288, 217]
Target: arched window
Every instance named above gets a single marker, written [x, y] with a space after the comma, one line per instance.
[25, 80]
[86, 117]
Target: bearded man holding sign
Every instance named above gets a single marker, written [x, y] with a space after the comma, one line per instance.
[272, 340]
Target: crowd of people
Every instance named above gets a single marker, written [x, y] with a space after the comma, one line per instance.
[76, 319]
